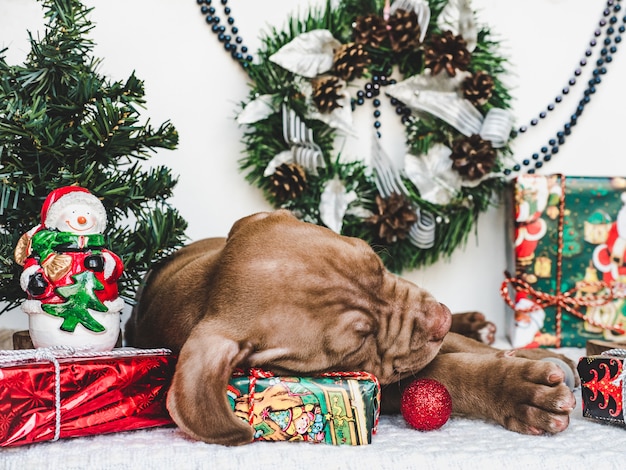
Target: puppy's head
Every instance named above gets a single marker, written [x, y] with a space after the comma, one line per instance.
[297, 299]
[309, 300]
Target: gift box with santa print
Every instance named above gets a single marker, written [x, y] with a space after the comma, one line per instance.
[567, 260]
[337, 408]
[602, 386]
[55, 393]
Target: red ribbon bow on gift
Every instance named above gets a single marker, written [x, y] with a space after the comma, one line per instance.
[563, 300]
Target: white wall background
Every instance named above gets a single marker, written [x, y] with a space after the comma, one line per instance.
[191, 81]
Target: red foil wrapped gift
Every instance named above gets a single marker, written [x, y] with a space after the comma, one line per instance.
[54, 393]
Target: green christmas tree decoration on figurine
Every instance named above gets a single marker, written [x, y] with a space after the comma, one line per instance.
[62, 123]
[80, 296]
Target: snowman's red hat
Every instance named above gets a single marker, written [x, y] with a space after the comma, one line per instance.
[62, 197]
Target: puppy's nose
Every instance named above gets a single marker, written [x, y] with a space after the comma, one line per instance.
[441, 321]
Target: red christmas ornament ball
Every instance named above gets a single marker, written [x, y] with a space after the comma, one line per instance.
[426, 404]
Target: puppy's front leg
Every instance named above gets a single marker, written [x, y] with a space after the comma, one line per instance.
[197, 398]
[523, 395]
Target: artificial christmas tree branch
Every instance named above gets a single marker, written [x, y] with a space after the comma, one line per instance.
[63, 123]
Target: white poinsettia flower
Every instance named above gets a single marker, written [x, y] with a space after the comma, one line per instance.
[308, 54]
[439, 96]
[458, 17]
[258, 109]
[407, 90]
[421, 9]
[285, 156]
[433, 175]
[334, 202]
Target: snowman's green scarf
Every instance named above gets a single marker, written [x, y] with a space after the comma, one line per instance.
[46, 242]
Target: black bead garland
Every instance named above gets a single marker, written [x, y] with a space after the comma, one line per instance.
[572, 81]
[609, 48]
[371, 90]
[237, 50]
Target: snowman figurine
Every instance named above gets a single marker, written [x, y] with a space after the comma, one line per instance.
[69, 277]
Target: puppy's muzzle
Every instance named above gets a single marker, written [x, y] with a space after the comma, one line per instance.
[442, 322]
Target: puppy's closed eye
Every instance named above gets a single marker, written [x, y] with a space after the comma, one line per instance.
[353, 327]
[363, 326]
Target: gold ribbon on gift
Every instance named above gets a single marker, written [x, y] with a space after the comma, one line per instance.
[564, 300]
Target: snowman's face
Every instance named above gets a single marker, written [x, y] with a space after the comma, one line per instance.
[78, 218]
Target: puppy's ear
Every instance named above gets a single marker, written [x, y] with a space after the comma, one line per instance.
[197, 399]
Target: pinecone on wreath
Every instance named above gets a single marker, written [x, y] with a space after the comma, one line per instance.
[350, 61]
[473, 157]
[288, 181]
[404, 30]
[370, 30]
[394, 219]
[447, 51]
[478, 88]
[326, 93]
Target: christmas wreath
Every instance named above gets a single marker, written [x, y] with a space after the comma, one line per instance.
[441, 74]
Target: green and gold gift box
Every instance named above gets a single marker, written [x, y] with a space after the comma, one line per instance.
[336, 408]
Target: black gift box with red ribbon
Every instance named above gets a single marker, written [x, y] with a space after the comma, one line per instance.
[602, 386]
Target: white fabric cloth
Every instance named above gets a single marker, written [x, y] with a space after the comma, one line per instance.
[460, 444]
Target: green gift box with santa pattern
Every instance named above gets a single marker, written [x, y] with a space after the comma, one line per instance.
[566, 240]
[339, 408]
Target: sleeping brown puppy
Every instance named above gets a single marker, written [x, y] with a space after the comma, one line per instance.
[296, 298]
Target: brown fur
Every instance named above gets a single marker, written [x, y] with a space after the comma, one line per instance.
[296, 298]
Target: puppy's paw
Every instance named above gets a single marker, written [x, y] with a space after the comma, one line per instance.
[474, 325]
[533, 398]
[541, 354]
